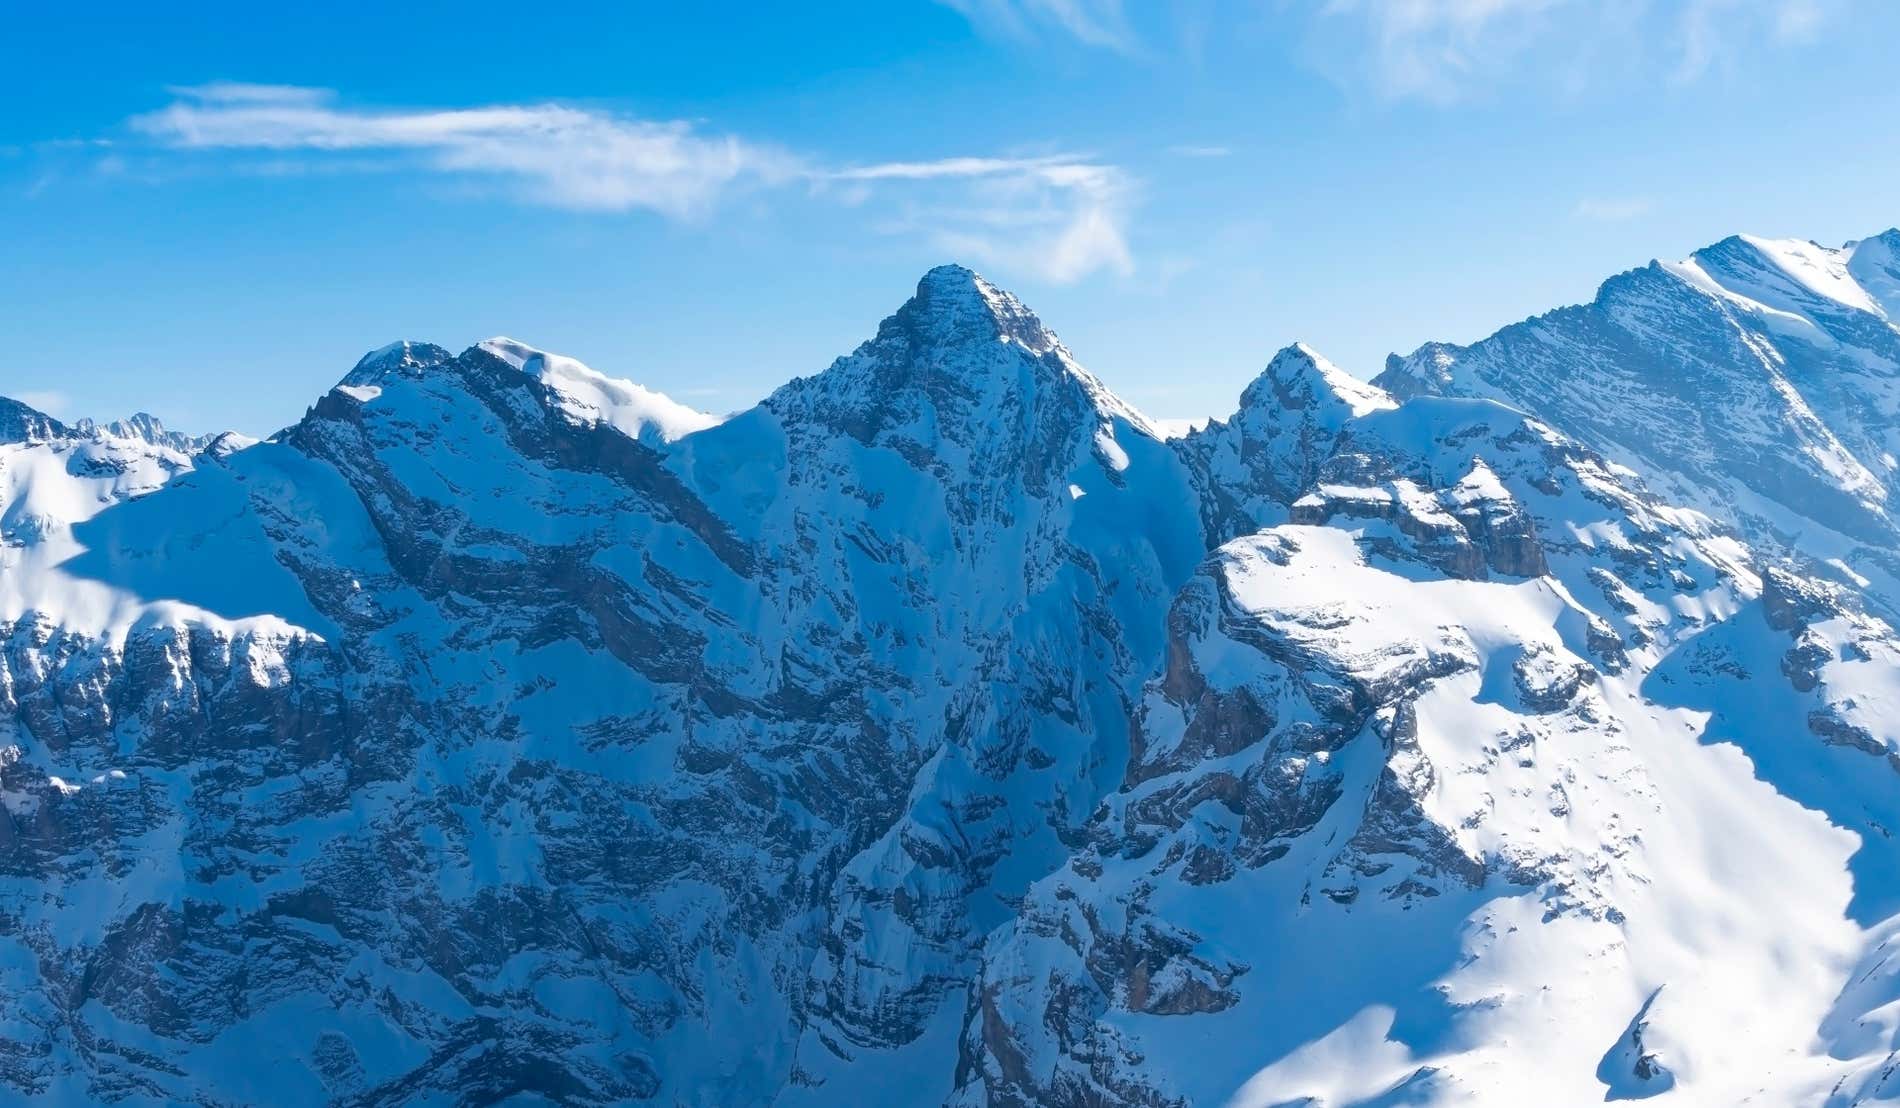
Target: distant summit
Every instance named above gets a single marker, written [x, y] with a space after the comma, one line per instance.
[145, 428]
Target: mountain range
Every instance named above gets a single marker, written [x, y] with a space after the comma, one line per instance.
[1519, 727]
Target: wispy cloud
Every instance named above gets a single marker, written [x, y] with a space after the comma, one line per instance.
[1612, 210]
[1799, 19]
[1061, 217]
[556, 155]
[1097, 23]
[1444, 50]
[1431, 49]
[1190, 151]
[1711, 30]
[954, 167]
[240, 92]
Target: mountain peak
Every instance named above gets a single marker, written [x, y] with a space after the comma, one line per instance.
[1299, 378]
[961, 362]
[1875, 264]
[1290, 421]
[957, 304]
[1788, 275]
[403, 357]
[1425, 371]
[1889, 238]
[950, 275]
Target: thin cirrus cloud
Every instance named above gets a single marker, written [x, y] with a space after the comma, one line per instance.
[1099, 23]
[1061, 217]
[1444, 51]
[561, 156]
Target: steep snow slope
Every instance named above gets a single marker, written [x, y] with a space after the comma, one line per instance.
[938, 731]
[54, 477]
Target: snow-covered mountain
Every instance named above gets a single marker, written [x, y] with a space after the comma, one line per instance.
[53, 476]
[942, 730]
[1758, 380]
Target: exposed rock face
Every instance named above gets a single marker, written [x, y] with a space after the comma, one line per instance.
[1632, 1069]
[1260, 461]
[21, 424]
[935, 732]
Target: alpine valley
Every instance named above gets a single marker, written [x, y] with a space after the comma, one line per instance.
[1519, 728]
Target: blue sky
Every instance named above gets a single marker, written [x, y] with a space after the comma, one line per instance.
[211, 215]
